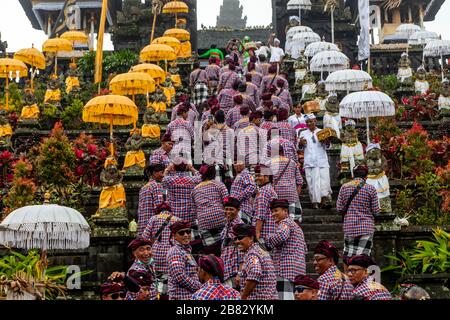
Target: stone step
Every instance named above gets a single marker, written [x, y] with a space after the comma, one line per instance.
[307, 212]
[319, 227]
[313, 243]
[311, 219]
[330, 236]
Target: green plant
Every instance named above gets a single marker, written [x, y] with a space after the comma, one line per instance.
[387, 84]
[422, 203]
[19, 272]
[120, 61]
[426, 257]
[71, 116]
[55, 159]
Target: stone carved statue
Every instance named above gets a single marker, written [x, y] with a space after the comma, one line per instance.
[159, 104]
[5, 130]
[444, 98]
[421, 85]
[169, 91]
[405, 74]
[332, 119]
[175, 74]
[322, 96]
[135, 157]
[352, 153]
[309, 88]
[53, 93]
[300, 66]
[112, 196]
[72, 82]
[377, 176]
[151, 130]
[30, 111]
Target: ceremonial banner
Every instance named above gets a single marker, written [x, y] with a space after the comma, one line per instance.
[99, 55]
[364, 36]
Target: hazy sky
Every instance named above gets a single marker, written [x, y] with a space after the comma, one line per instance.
[17, 31]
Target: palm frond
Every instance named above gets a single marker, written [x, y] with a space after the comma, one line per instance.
[392, 4]
[330, 5]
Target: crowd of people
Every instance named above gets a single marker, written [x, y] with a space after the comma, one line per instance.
[233, 229]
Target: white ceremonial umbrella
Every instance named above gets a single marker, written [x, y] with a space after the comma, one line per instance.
[437, 48]
[291, 33]
[329, 61]
[314, 48]
[422, 37]
[367, 104]
[407, 29]
[45, 227]
[301, 40]
[299, 5]
[348, 80]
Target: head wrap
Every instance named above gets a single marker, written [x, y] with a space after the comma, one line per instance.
[272, 89]
[214, 109]
[183, 98]
[306, 281]
[244, 110]
[310, 116]
[421, 68]
[404, 54]
[363, 261]
[179, 225]
[253, 59]
[280, 83]
[361, 171]
[166, 137]
[273, 68]
[276, 40]
[142, 278]
[350, 122]
[212, 101]
[237, 99]
[244, 230]
[279, 203]
[212, 59]
[266, 96]
[163, 207]
[182, 108]
[328, 250]
[445, 80]
[283, 114]
[256, 115]
[268, 104]
[373, 146]
[208, 172]
[180, 163]
[231, 202]
[212, 265]
[294, 18]
[110, 287]
[139, 242]
[263, 170]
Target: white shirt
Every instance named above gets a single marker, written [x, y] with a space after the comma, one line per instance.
[315, 153]
[295, 120]
[263, 50]
[276, 54]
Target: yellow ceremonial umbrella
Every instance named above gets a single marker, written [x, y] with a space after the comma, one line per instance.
[75, 36]
[55, 45]
[174, 43]
[153, 70]
[175, 7]
[112, 110]
[132, 83]
[33, 57]
[180, 34]
[10, 68]
[158, 52]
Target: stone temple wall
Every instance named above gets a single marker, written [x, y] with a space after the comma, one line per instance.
[220, 37]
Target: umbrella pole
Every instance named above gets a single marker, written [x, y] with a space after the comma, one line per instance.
[300, 15]
[153, 27]
[176, 19]
[368, 130]
[442, 67]
[332, 25]
[7, 93]
[111, 138]
[56, 63]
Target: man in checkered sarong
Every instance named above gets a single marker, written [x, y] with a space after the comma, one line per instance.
[257, 278]
[359, 221]
[244, 189]
[213, 73]
[182, 133]
[366, 288]
[198, 82]
[289, 249]
[226, 96]
[252, 90]
[158, 232]
[150, 196]
[333, 284]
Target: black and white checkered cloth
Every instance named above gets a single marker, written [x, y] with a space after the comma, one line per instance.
[285, 289]
[200, 93]
[204, 238]
[295, 211]
[162, 283]
[357, 246]
[245, 217]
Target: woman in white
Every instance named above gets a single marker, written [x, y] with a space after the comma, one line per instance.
[317, 168]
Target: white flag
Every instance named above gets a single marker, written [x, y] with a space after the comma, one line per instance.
[364, 36]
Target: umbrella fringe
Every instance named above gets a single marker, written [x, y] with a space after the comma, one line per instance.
[367, 108]
[55, 240]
